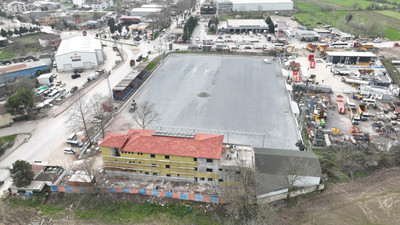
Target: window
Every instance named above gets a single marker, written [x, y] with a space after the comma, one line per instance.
[154, 174]
[221, 180]
[178, 175]
[195, 159]
[209, 170]
[195, 178]
[209, 160]
[152, 156]
[147, 173]
[153, 165]
[195, 169]
[237, 172]
[168, 175]
[220, 169]
[76, 59]
[166, 166]
[201, 178]
[210, 179]
[167, 157]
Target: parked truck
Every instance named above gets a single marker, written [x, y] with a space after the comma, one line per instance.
[354, 116]
[95, 74]
[351, 104]
[362, 110]
[340, 104]
[46, 78]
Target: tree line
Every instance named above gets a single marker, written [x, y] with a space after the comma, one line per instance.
[189, 27]
[20, 31]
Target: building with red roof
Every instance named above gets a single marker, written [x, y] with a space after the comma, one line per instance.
[176, 156]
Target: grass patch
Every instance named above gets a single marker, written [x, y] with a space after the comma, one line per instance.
[10, 139]
[361, 174]
[7, 55]
[392, 71]
[389, 13]
[392, 34]
[152, 64]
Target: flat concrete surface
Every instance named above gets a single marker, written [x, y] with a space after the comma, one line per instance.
[242, 97]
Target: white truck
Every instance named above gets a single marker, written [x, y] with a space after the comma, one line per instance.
[95, 74]
[46, 78]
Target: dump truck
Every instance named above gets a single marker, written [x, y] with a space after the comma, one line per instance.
[354, 116]
[340, 104]
[362, 110]
[351, 104]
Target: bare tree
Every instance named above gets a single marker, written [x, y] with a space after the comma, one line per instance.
[243, 207]
[87, 170]
[79, 117]
[145, 114]
[294, 170]
[96, 106]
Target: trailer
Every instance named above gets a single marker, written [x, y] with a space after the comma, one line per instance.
[340, 104]
[46, 78]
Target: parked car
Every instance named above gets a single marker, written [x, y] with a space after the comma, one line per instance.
[69, 151]
[95, 120]
[59, 83]
[63, 85]
[75, 75]
[50, 85]
[75, 143]
[140, 57]
[73, 89]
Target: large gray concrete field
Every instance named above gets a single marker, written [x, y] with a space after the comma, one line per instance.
[242, 97]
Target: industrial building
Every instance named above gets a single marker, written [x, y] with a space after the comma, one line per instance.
[261, 5]
[149, 154]
[351, 58]
[307, 35]
[240, 26]
[27, 69]
[224, 6]
[143, 12]
[208, 9]
[79, 52]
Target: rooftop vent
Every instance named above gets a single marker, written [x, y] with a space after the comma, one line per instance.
[171, 134]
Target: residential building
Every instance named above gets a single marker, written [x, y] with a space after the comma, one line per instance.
[224, 6]
[102, 5]
[79, 3]
[149, 154]
[79, 52]
[16, 7]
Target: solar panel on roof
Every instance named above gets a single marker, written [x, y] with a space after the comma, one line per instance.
[172, 134]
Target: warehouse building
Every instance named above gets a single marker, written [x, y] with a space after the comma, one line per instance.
[143, 12]
[240, 26]
[351, 58]
[11, 72]
[307, 35]
[261, 5]
[79, 52]
[224, 6]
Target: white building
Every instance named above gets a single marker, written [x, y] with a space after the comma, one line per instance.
[79, 3]
[262, 5]
[79, 52]
[144, 11]
[102, 5]
[16, 7]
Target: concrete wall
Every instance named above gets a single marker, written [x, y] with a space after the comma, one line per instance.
[287, 6]
[281, 195]
[159, 193]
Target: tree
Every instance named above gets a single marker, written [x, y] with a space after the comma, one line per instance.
[16, 32]
[119, 28]
[10, 32]
[271, 28]
[268, 20]
[21, 173]
[31, 29]
[79, 117]
[243, 207]
[145, 114]
[96, 106]
[294, 169]
[20, 101]
[3, 33]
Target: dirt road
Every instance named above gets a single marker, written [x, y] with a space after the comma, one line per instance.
[371, 200]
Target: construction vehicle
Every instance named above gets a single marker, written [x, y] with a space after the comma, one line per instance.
[357, 45]
[351, 104]
[364, 114]
[291, 49]
[366, 47]
[396, 44]
[322, 50]
[311, 47]
[354, 116]
[340, 104]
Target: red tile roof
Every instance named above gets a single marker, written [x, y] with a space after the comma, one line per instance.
[36, 169]
[201, 146]
[114, 140]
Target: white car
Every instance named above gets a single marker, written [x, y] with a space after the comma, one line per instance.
[267, 61]
[95, 120]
